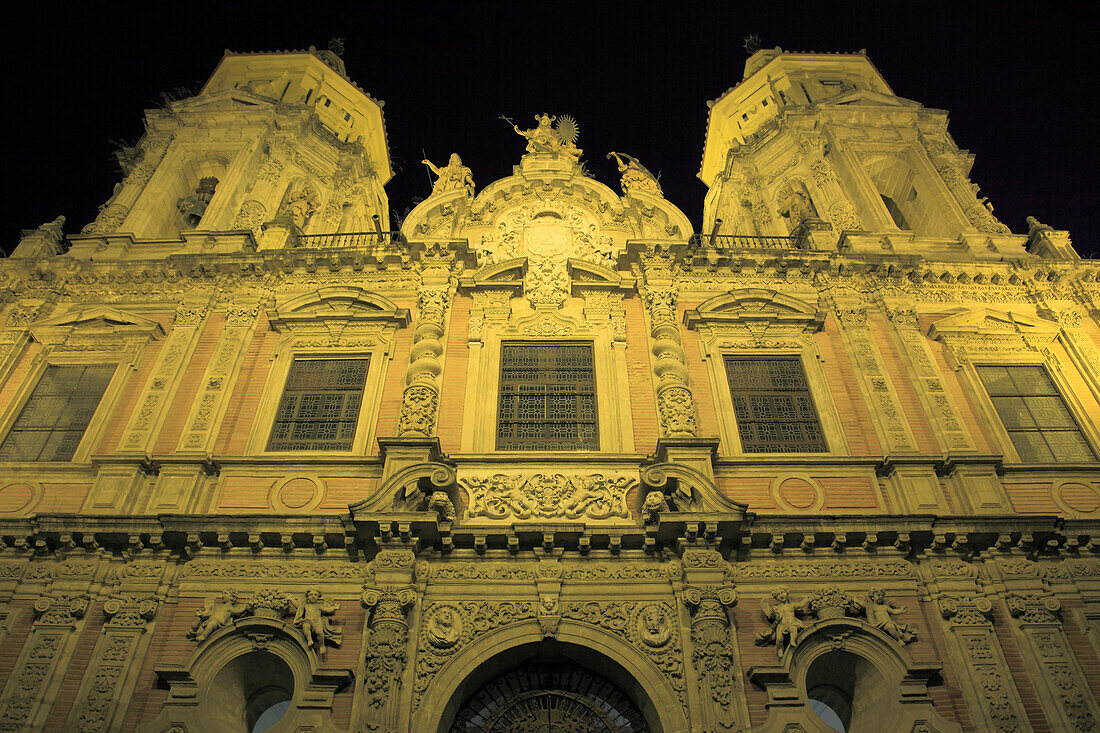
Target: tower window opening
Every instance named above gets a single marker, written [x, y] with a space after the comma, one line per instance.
[895, 213]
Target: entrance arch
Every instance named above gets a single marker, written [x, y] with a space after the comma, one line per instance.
[596, 654]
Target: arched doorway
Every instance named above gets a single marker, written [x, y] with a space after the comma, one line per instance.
[550, 687]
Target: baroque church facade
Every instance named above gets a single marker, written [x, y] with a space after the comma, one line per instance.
[548, 459]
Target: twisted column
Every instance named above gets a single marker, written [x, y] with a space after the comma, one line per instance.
[675, 404]
[420, 401]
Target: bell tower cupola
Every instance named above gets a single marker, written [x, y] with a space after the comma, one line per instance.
[283, 137]
[823, 137]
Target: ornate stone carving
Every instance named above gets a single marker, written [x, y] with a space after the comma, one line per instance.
[712, 654]
[675, 404]
[443, 628]
[968, 610]
[61, 609]
[452, 177]
[629, 619]
[131, 612]
[839, 568]
[548, 138]
[844, 216]
[442, 505]
[387, 649]
[1033, 609]
[880, 613]
[217, 612]
[545, 496]
[830, 602]
[653, 506]
[782, 613]
[982, 219]
[311, 615]
[635, 176]
[471, 619]
[420, 401]
[250, 216]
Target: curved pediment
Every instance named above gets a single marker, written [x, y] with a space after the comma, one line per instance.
[343, 303]
[551, 213]
[755, 305]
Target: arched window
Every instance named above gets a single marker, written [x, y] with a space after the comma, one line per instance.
[908, 199]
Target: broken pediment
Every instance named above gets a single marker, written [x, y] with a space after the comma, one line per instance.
[98, 319]
[991, 322]
[336, 303]
[748, 305]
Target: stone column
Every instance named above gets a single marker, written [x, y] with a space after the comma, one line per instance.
[883, 401]
[386, 655]
[675, 404]
[420, 401]
[982, 664]
[104, 689]
[1068, 703]
[712, 652]
[53, 634]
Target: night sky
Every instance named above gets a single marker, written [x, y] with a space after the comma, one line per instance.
[1019, 84]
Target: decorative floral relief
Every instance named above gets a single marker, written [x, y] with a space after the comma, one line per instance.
[545, 496]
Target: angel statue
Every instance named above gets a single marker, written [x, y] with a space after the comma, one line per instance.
[783, 616]
[216, 614]
[636, 177]
[880, 614]
[310, 616]
[452, 176]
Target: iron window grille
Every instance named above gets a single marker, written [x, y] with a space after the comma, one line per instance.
[547, 397]
[57, 414]
[773, 406]
[1033, 412]
[320, 405]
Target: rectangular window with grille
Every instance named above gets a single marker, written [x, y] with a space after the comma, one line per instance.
[320, 405]
[1033, 412]
[547, 397]
[774, 409]
[53, 421]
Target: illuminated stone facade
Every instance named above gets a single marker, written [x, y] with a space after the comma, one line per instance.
[547, 453]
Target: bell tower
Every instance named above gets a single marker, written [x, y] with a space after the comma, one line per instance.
[818, 141]
[275, 143]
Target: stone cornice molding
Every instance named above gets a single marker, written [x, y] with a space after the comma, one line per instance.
[747, 307]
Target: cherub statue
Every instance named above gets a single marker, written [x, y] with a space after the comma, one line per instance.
[783, 617]
[654, 504]
[216, 614]
[442, 505]
[880, 614]
[310, 615]
[636, 177]
[452, 176]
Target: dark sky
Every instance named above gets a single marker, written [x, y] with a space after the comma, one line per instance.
[1019, 82]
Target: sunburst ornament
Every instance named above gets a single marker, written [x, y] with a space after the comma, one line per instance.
[567, 129]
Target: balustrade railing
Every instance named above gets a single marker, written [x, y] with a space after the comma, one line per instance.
[742, 241]
[347, 239]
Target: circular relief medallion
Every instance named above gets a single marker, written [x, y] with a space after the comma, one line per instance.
[443, 628]
[798, 493]
[16, 497]
[297, 493]
[653, 627]
[1079, 497]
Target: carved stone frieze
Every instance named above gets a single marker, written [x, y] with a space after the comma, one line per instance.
[544, 496]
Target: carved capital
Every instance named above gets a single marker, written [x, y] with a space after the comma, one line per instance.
[130, 611]
[1032, 608]
[62, 609]
[966, 610]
